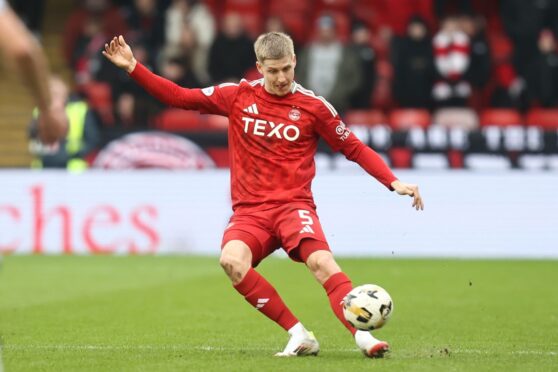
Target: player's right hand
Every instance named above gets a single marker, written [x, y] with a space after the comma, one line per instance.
[120, 53]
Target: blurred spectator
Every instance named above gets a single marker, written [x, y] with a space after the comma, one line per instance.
[445, 8]
[523, 21]
[78, 25]
[191, 19]
[397, 14]
[146, 21]
[542, 72]
[82, 139]
[85, 58]
[452, 57]
[361, 44]
[478, 72]
[231, 53]
[178, 70]
[133, 105]
[31, 13]
[329, 68]
[510, 89]
[413, 62]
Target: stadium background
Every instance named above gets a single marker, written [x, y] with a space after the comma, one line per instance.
[472, 148]
[486, 163]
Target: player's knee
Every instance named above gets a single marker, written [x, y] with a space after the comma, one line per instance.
[235, 264]
[322, 264]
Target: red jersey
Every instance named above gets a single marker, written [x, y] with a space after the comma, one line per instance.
[272, 139]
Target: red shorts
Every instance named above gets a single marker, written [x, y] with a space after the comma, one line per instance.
[281, 226]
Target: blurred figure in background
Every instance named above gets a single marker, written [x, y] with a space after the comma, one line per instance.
[479, 69]
[31, 13]
[83, 135]
[185, 17]
[146, 21]
[231, 53]
[413, 62]
[510, 89]
[523, 21]
[177, 70]
[542, 72]
[92, 13]
[452, 57]
[132, 105]
[22, 52]
[85, 61]
[329, 68]
[362, 46]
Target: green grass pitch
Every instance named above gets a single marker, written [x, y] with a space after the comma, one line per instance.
[181, 314]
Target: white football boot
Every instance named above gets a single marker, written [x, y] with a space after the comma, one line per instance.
[370, 346]
[301, 343]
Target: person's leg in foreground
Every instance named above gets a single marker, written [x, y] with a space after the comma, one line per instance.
[320, 262]
[237, 259]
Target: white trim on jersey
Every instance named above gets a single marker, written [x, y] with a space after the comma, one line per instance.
[223, 85]
[256, 82]
[309, 93]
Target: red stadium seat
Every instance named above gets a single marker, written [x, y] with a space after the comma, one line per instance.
[177, 120]
[365, 117]
[296, 25]
[343, 6]
[99, 97]
[500, 117]
[242, 6]
[401, 119]
[252, 23]
[544, 118]
[401, 157]
[279, 7]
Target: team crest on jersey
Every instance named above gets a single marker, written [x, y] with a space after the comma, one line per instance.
[294, 114]
[208, 91]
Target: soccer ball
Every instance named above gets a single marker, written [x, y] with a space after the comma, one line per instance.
[367, 307]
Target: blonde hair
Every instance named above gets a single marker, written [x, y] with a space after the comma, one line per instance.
[273, 45]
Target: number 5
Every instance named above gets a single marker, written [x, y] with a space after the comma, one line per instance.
[305, 217]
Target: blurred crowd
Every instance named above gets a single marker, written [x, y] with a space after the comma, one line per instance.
[358, 54]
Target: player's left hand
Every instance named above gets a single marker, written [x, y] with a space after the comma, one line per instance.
[411, 190]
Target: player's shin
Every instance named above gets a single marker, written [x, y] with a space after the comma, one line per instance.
[261, 294]
[336, 287]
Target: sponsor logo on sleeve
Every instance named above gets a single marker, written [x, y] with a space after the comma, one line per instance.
[342, 131]
[208, 91]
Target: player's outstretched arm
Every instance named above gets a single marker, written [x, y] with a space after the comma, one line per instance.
[26, 57]
[120, 54]
[411, 190]
[166, 91]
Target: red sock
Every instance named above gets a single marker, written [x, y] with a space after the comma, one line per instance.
[260, 294]
[337, 287]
